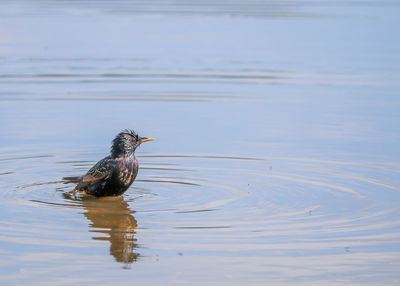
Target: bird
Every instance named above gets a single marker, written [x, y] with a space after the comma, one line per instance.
[112, 175]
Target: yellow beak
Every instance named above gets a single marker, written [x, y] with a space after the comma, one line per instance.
[145, 139]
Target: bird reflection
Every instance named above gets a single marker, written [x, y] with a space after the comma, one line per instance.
[111, 216]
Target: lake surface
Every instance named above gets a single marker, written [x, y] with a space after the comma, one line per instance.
[276, 158]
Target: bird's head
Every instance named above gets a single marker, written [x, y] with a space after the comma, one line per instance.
[126, 143]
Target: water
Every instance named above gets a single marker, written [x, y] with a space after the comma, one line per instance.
[276, 158]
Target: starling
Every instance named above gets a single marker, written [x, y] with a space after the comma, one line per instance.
[112, 175]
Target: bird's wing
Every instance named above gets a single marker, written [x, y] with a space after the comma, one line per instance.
[98, 173]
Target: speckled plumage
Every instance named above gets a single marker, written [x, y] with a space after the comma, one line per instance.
[113, 175]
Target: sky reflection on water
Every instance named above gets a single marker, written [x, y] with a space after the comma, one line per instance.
[276, 159]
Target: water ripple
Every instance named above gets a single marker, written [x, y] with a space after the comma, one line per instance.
[307, 205]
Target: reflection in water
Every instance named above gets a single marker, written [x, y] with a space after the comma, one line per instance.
[111, 216]
[276, 163]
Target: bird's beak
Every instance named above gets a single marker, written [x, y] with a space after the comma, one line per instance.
[145, 139]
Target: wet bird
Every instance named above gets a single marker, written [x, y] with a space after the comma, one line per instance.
[112, 175]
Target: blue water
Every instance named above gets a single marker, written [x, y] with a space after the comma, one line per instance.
[276, 158]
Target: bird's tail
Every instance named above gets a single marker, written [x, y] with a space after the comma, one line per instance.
[71, 179]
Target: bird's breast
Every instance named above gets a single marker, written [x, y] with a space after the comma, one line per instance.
[128, 169]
